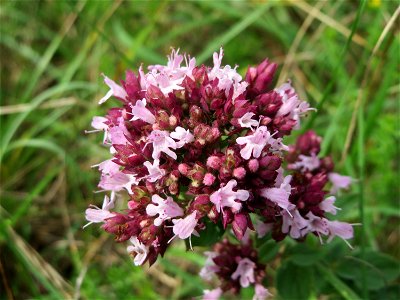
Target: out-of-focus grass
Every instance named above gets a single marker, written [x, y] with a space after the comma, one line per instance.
[52, 55]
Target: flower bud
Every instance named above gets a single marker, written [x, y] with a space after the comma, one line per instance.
[253, 165]
[214, 162]
[260, 77]
[184, 169]
[239, 173]
[209, 179]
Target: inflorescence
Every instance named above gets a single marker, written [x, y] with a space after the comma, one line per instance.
[195, 144]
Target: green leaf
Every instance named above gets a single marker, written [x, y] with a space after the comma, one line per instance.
[380, 269]
[268, 251]
[294, 282]
[209, 236]
[304, 255]
[340, 286]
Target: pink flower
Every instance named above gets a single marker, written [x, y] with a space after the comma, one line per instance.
[115, 90]
[162, 142]
[213, 294]
[183, 136]
[139, 111]
[341, 229]
[225, 197]
[245, 270]
[154, 170]
[246, 121]
[184, 228]
[138, 250]
[263, 228]
[119, 133]
[261, 293]
[280, 195]
[327, 205]
[339, 182]
[108, 167]
[254, 143]
[306, 163]
[118, 181]
[166, 209]
[292, 105]
[228, 78]
[294, 221]
[316, 224]
[97, 215]
[99, 124]
[209, 268]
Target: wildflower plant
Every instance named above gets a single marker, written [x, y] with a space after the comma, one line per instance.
[199, 154]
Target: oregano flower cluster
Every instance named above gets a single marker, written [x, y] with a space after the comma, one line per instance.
[192, 146]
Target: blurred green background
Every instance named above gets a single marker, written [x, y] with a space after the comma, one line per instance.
[342, 56]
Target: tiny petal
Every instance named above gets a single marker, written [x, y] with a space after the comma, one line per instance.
[245, 270]
[166, 209]
[210, 268]
[341, 229]
[225, 197]
[138, 250]
[339, 182]
[306, 163]
[246, 121]
[162, 142]
[183, 136]
[261, 293]
[212, 294]
[139, 111]
[254, 143]
[327, 205]
[154, 170]
[279, 195]
[263, 228]
[184, 228]
[115, 90]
